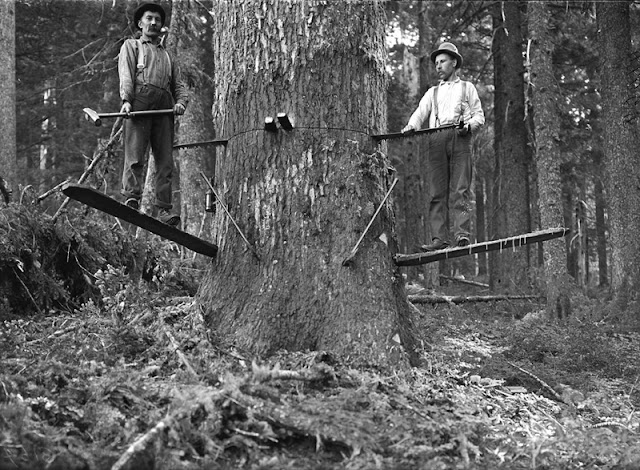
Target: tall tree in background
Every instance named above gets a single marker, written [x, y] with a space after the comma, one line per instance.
[621, 144]
[510, 211]
[72, 60]
[600, 219]
[546, 102]
[580, 143]
[302, 198]
[8, 160]
[426, 43]
[191, 39]
[412, 193]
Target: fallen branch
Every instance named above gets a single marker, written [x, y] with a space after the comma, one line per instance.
[141, 444]
[28, 292]
[99, 155]
[142, 317]
[464, 281]
[231, 354]
[316, 373]
[546, 386]
[178, 351]
[458, 299]
[43, 196]
[612, 422]
[55, 334]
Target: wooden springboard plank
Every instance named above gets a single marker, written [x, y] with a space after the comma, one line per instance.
[414, 259]
[104, 203]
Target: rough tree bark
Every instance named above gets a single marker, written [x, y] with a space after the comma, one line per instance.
[621, 144]
[601, 224]
[481, 226]
[303, 198]
[510, 211]
[8, 159]
[546, 98]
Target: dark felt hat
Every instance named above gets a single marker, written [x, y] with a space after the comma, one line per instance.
[447, 48]
[149, 7]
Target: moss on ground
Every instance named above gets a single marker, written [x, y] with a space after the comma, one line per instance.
[122, 374]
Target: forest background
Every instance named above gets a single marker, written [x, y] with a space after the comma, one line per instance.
[559, 86]
[66, 65]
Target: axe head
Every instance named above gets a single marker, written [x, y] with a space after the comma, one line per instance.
[92, 116]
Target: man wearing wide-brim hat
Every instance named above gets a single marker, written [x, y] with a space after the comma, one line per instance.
[153, 7]
[149, 80]
[453, 102]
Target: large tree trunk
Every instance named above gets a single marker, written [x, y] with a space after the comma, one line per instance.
[569, 217]
[601, 225]
[193, 50]
[621, 144]
[303, 198]
[8, 159]
[481, 226]
[413, 154]
[546, 99]
[509, 269]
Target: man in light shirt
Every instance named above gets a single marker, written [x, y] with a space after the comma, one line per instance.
[449, 166]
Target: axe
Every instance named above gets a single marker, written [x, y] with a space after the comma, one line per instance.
[97, 117]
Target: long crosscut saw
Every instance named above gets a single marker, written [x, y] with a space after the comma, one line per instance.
[430, 130]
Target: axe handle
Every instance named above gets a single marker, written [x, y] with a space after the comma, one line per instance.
[151, 112]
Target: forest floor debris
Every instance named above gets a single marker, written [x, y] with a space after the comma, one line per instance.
[99, 390]
[127, 378]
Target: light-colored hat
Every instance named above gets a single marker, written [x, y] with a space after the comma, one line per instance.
[447, 48]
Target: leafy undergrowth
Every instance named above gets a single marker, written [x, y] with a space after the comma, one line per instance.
[127, 378]
[135, 383]
[48, 266]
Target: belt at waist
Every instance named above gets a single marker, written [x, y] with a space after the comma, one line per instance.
[139, 86]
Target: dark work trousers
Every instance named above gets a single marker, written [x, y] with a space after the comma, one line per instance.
[139, 133]
[449, 173]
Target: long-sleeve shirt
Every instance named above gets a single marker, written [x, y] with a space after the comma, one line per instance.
[452, 106]
[159, 70]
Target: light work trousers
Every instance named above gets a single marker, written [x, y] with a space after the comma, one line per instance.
[449, 175]
[139, 133]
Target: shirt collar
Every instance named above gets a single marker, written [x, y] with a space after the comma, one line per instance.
[443, 82]
[148, 41]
